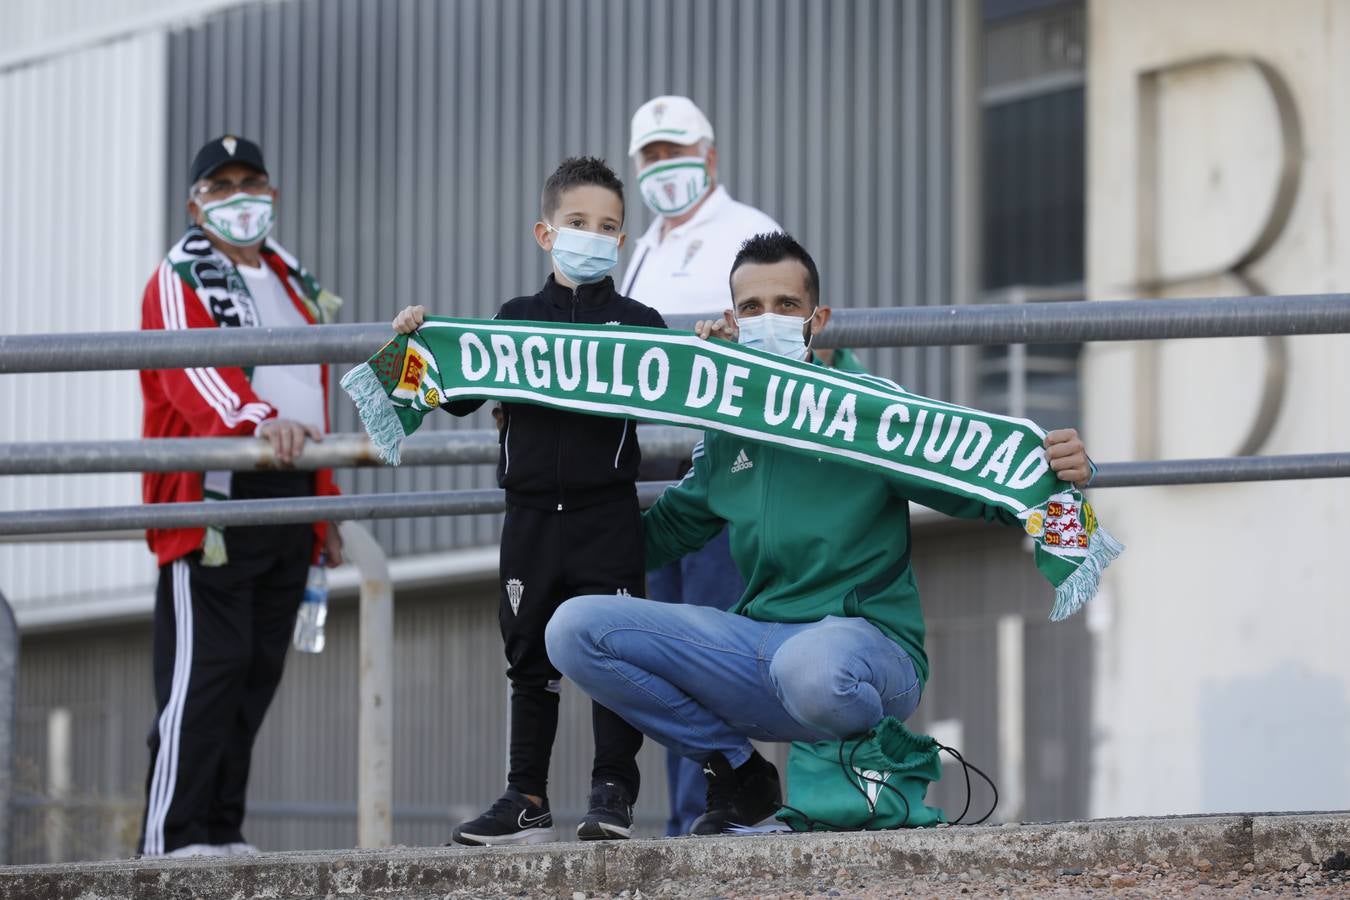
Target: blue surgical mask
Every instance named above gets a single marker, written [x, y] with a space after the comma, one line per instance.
[584, 256]
[774, 333]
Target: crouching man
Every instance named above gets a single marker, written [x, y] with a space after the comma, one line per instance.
[828, 637]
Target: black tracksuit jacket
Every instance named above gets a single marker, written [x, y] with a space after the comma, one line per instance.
[558, 460]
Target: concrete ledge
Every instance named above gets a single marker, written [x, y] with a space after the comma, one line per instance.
[1223, 842]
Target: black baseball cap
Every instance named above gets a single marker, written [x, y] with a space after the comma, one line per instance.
[223, 150]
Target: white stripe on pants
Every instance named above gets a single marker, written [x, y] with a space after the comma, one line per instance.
[165, 777]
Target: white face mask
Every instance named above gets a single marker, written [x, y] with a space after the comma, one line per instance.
[241, 219]
[672, 186]
[774, 333]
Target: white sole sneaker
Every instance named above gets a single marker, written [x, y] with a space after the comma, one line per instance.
[602, 831]
[198, 850]
[527, 836]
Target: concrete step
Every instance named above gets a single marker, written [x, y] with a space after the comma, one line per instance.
[697, 866]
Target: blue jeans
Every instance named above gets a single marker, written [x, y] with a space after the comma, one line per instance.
[702, 681]
[706, 577]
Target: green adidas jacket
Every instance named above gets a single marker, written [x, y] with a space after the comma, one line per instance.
[813, 537]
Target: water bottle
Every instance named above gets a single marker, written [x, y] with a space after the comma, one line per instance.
[313, 611]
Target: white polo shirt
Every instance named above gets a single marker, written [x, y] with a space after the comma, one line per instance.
[686, 272]
[295, 391]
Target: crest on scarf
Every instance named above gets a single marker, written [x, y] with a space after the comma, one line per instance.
[514, 589]
[229, 143]
[1067, 524]
[870, 780]
[414, 367]
[413, 381]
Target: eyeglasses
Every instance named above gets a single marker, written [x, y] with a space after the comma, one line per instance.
[254, 184]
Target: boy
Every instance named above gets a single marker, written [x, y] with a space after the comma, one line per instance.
[572, 524]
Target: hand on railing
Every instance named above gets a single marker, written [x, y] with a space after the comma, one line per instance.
[287, 438]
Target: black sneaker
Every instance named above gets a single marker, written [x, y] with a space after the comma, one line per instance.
[514, 819]
[738, 798]
[610, 816]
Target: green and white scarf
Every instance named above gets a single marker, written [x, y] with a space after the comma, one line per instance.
[654, 375]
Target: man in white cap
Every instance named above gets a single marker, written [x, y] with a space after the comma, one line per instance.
[682, 264]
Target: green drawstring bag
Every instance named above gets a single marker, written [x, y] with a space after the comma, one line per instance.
[873, 782]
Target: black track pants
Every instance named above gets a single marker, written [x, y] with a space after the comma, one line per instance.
[547, 557]
[221, 635]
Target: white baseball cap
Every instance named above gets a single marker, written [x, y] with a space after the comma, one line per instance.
[674, 119]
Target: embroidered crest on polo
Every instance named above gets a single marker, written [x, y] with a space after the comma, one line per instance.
[229, 143]
[694, 247]
[514, 589]
[741, 463]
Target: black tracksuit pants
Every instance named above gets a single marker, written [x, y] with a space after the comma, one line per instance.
[548, 556]
[220, 641]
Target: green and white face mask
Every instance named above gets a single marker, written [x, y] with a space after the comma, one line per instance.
[241, 219]
[672, 186]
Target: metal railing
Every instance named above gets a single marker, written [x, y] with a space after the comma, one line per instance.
[916, 326]
[235, 513]
[431, 448]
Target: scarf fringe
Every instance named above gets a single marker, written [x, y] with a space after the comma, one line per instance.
[376, 411]
[1081, 586]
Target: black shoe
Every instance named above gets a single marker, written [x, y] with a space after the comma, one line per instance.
[738, 798]
[610, 816]
[514, 819]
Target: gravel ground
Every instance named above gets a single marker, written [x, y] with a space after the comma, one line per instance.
[1332, 879]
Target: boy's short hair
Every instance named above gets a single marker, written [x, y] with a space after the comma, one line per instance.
[776, 246]
[575, 171]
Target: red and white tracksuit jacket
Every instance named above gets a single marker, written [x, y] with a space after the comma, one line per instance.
[203, 402]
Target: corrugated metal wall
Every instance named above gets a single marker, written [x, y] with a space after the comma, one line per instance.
[410, 141]
[45, 25]
[81, 227]
[449, 714]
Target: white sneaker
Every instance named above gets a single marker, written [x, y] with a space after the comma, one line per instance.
[241, 848]
[200, 850]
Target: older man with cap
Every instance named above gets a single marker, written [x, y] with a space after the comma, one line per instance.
[681, 265]
[226, 601]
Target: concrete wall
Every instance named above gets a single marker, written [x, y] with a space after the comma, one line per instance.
[1223, 677]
